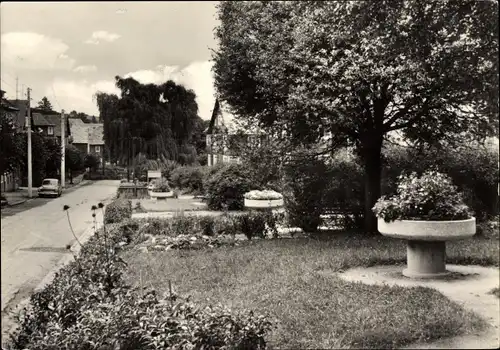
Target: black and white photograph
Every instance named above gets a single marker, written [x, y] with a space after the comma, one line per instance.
[250, 175]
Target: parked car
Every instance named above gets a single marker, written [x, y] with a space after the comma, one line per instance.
[50, 187]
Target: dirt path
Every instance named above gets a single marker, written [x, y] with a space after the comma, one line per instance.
[472, 292]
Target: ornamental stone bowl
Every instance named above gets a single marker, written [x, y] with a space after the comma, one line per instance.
[263, 203]
[426, 249]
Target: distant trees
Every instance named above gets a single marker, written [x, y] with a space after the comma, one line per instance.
[83, 117]
[45, 105]
[155, 120]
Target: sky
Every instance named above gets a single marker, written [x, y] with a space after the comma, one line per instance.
[69, 51]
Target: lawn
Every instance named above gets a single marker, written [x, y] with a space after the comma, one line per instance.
[312, 310]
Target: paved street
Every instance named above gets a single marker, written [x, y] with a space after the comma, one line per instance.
[34, 240]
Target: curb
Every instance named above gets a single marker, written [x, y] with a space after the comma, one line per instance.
[17, 203]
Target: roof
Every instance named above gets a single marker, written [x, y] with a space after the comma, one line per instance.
[55, 120]
[87, 133]
[39, 120]
[78, 130]
[22, 106]
[96, 134]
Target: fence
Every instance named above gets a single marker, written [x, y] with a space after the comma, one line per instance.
[8, 182]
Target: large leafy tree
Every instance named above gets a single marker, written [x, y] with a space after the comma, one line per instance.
[362, 70]
[155, 120]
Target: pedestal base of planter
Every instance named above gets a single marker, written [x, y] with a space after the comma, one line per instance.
[426, 259]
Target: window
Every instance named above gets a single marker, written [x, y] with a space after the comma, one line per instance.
[50, 130]
[97, 149]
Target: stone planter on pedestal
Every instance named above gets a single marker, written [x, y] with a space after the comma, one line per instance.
[426, 250]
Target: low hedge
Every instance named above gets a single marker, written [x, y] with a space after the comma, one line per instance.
[251, 224]
[117, 211]
[88, 305]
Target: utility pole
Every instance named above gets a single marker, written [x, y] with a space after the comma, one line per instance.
[30, 165]
[17, 86]
[63, 147]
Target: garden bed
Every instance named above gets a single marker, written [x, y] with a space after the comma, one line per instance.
[283, 277]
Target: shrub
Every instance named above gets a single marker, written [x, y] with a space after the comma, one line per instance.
[225, 189]
[344, 193]
[305, 186]
[251, 224]
[474, 169]
[117, 211]
[188, 178]
[429, 197]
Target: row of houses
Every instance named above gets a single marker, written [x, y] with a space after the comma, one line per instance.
[89, 138]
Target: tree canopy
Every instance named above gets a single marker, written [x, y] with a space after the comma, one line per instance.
[360, 70]
[155, 120]
[45, 105]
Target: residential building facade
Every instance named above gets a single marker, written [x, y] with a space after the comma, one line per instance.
[88, 137]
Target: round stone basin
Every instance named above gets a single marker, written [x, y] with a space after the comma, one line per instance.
[419, 230]
[263, 203]
[426, 249]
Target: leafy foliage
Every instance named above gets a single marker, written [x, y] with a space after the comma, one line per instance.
[251, 224]
[92, 161]
[45, 105]
[155, 120]
[11, 144]
[359, 70]
[474, 169]
[304, 190]
[54, 156]
[189, 178]
[117, 211]
[225, 188]
[431, 196]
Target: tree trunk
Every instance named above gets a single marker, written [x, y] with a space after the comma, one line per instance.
[371, 156]
[71, 176]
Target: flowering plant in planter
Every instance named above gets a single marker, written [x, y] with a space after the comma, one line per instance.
[162, 187]
[263, 195]
[430, 197]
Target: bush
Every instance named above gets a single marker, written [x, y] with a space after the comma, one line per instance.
[345, 191]
[429, 197]
[117, 211]
[305, 184]
[225, 189]
[188, 178]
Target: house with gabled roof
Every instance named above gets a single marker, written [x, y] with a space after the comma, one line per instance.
[87, 137]
[220, 135]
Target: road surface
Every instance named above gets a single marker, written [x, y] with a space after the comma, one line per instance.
[34, 240]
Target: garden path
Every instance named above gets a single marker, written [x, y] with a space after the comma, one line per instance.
[471, 291]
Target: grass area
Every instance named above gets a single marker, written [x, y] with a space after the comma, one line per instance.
[283, 278]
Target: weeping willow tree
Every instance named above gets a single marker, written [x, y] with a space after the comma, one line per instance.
[156, 121]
